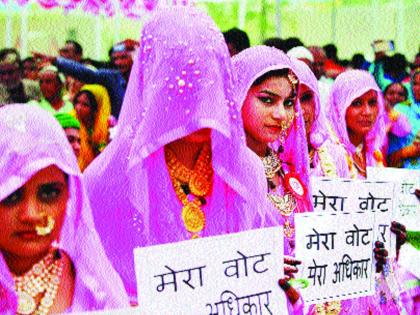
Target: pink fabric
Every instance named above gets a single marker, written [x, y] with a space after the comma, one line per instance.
[347, 87]
[320, 136]
[181, 81]
[251, 64]
[31, 140]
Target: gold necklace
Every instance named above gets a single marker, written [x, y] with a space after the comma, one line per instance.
[358, 157]
[43, 279]
[285, 204]
[197, 182]
[328, 308]
[271, 163]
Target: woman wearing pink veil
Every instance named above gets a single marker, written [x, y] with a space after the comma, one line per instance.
[179, 167]
[327, 157]
[357, 115]
[267, 90]
[51, 258]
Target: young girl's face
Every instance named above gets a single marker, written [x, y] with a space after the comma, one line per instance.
[362, 113]
[43, 196]
[268, 107]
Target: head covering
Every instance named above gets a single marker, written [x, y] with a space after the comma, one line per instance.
[67, 121]
[347, 87]
[27, 147]
[51, 68]
[329, 158]
[251, 64]
[94, 141]
[181, 82]
[301, 52]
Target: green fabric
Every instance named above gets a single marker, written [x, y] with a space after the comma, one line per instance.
[67, 121]
[413, 237]
[67, 108]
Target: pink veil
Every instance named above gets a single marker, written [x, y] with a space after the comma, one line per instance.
[181, 81]
[32, 139]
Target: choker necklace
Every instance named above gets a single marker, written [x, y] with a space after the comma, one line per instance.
[191, 186]
[285, 204]
[41, 283]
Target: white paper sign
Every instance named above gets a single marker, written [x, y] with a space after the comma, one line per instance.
[345, 195]
[407, 204]
[408, 208]
[234, 273]
[336, 250]
[125, 311]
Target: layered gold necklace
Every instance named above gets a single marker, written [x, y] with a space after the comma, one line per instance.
[191, 187]
[285, 204]
[41, 284]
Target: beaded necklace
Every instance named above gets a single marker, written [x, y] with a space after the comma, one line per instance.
[191, 188]
[41, 283]
[285, 204]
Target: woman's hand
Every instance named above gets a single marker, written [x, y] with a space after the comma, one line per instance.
[381, 255]
[401, 233]
[291, 293]
[290, 268]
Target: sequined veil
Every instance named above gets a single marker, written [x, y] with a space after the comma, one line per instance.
[181, 82]
[31, 140]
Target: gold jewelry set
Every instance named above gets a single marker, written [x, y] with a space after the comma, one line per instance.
[197, 182]
[328, 308]
[41, 284]
[285, 204]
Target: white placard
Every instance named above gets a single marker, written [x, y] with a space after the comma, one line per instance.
[407, 204]
[345, 195]
[125, 311]
[235, 273]
[336, 252]
[407, 208]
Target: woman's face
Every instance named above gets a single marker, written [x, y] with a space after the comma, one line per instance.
[394, 94]
[307, 101]
[416, 87]
[45, 194]
[362, 113]
[83, 108]
[267, 107]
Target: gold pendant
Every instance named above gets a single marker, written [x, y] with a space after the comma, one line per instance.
[285, 204]
[288, 229]
[199, 185]
[26, 303]
[193, 217]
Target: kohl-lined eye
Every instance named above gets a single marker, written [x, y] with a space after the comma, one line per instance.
[289, 102]
[13, 198]
[266, 99]
[356, 103]
[306, 97]
[373, 102]
[49, 192]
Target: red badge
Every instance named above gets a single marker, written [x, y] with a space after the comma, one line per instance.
[294, 185]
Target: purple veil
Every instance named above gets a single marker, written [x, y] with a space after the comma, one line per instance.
[31, 140]
[319, 134]
[348, 86]
[181, 81]
[249, 65]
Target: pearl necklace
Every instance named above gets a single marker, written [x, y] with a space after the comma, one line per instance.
[42, 280]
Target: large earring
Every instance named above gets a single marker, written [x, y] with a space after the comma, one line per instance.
[285, 125]
[47, 229]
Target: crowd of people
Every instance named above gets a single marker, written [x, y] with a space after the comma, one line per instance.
[186, 133]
